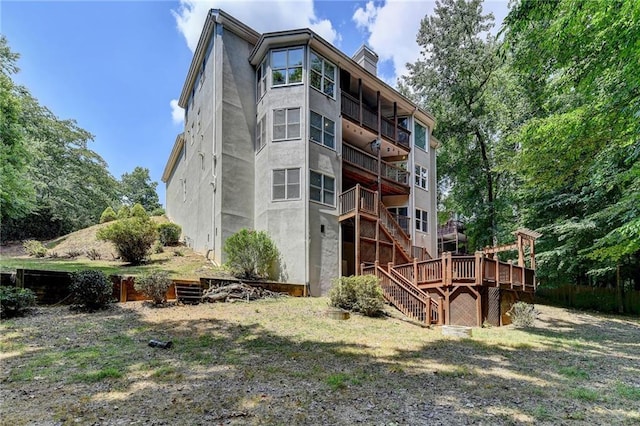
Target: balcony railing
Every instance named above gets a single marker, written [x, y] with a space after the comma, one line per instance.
[368, 162]
[360, 113]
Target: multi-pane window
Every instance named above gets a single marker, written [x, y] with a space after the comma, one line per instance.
[422, 177]
[400, 214]
[323, 75]
[286, 124]
[286, 66]
[286, 184]
[420, 136]
[322, 130]
[322, 188]
[261, 133]
[422, 220]
[261, 78]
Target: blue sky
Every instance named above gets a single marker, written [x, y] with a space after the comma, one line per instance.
[117, 67]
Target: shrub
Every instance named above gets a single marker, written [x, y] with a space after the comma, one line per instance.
[91, 289]
[93, 254]
[343, 293]
[370, 299]
[169, 233]
[138, 211]
[108, 215]
[132, 238]
[15, 301]
[124, 212]
[158, 211]
[250, 254]
[154, 285]
[34, 248]
[73, 253]
[358, 293]
[158, 247]
[522, 314]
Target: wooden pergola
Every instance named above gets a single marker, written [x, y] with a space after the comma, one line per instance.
[524, 237]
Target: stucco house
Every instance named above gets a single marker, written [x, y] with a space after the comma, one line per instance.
[285, 133]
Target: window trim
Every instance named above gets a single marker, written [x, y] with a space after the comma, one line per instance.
[261, 133]
[322, 188]
[286, 125]
[423, 175]
[286, 184]
[322, 75]
[419, 219]
[287, 67]
[261, 79]
[322, 131]
[426, 136]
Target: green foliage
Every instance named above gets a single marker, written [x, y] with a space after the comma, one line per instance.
[250, 254]
[154, 285]
[124, 212]
[169, 233]
[138, 211]
[91, 290]
[108, 215]
[358, 293]
[15, 301]
[137, 188]
[34, 248]
[132, 237]
[523, 314]
[159, 211]
[158, 247]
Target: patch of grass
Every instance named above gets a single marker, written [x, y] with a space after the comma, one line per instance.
[337, 381]
[457, 371]
[628, 391]
[584, 394]
[167, 373]
[97, 376]
[542, 413]
[574, 373]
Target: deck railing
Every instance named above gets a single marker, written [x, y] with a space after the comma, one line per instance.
[366, 116]
[358, 199]
[368, 162]
[387, 220]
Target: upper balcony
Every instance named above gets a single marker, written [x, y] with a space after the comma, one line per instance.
[363, 167]
[359, 112]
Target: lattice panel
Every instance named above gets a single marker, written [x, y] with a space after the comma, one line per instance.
[367, 251]
[507, 299]
[384, 237]
[491, 305]
[386, 254]
[463, 309]
[367, 229]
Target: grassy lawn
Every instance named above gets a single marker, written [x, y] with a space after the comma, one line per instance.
[284, 361]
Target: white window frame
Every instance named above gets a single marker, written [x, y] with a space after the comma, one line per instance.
[288, 113]
[417, 124]
[261, 133]
[422, 221]
[421, 178]
[323, 129]
[325, 78]
[322, 188]
[287, 68]
[261, 80]
[286, 184]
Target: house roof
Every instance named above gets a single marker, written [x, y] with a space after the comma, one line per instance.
[173, 157]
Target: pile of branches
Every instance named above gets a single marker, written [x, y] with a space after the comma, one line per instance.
[237, 291]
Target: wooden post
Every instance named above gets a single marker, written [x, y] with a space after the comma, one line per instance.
[478, 269]
[427, 310]
[395, 122]
[357, 227]
[520, 250]
[360, 101]
[532, 245]
[440, 311]
[511, 275]
[389, 267]
[20, 278]
[415, 272]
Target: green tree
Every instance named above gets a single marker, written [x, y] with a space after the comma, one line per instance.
[137, 187]
[462, 81]
[580, 150]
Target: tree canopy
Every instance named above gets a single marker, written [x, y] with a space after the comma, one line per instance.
[137, 188]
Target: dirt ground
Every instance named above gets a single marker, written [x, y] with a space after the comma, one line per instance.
[284, 361]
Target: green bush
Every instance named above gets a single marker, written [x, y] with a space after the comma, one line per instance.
[358, 293]
[108, 215]
[154, 285]
[250, 254]
[158, 211]
[138, 211]
[169, 233]
[15, 301]
[343, 293]
[157, 247]
[132, 237]
[522, 314]
[124, 212]
[91, 289]
[34, 248]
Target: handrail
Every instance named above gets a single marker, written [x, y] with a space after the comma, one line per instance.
[386, 218]
[368, 162]
[358, 199]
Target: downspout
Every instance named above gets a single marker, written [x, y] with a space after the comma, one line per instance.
[307, 231]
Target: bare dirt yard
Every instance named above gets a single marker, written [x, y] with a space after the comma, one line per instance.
[283, 361]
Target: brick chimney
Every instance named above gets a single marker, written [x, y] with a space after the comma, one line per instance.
[367, 59]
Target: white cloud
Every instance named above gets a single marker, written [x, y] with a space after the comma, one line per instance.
[177, 113]
[263, 16]
[392, 29]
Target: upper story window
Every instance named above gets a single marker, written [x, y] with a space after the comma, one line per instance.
[261, 133]
[322, 130]
[420, 136]
[286, 124]
[422, 220]
[422, 177]
[323, 75]
[261, 77]
[286, 66]
[322, 188]
[286, 184]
